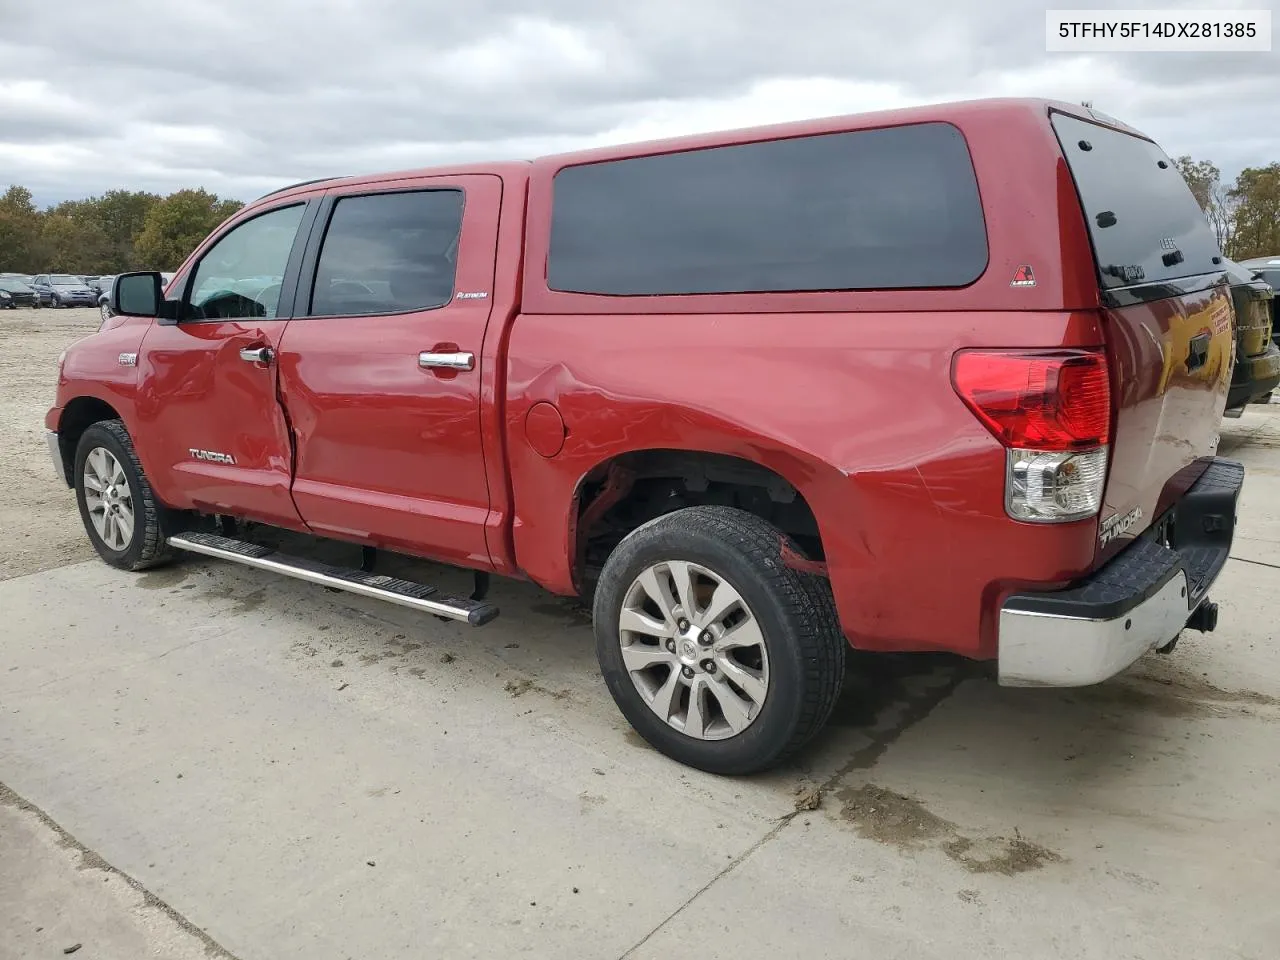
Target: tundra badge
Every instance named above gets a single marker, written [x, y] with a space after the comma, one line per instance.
[212, 455]
[1118, 524]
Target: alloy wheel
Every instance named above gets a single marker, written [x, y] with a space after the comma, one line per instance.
[108, 498]
[694, 650]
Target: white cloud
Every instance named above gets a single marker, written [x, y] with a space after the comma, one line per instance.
[243, 95]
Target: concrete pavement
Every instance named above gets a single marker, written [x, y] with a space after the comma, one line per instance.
[287, 771]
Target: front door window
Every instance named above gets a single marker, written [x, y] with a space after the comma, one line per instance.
[240, 275]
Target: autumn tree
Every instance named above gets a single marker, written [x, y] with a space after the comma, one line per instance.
[1256, 194]
[71, 243]
[1214, 197]
[175, 225]
[19, 231]
[121, 215]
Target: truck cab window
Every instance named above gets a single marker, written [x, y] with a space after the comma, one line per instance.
[240, 275]
[388, 253]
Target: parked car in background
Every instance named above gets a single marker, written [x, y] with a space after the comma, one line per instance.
[64, 290]
[104, 297]
[23, 278]
[102, 284]
[1268, 269]
[44, 293]
[1257, 369]
[6, 301]
[21, 294]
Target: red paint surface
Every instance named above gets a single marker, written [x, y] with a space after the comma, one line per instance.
[194, 392]
[846, 395]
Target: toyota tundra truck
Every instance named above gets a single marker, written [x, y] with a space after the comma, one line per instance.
[940, 379]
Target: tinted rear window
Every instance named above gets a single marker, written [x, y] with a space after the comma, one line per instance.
[874, 209]
[1145, 224]
[388, 253]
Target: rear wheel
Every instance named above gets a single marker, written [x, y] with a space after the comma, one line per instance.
[719, 654]
[119, 510]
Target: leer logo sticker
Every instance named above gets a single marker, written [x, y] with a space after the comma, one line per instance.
[1024, 276]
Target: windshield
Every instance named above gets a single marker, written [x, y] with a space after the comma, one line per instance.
[62, 280]
[1144, 222]
[13, 285]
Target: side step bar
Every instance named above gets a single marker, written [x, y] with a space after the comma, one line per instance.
[406, 593]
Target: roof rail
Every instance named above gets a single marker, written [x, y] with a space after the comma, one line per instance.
[300, 183]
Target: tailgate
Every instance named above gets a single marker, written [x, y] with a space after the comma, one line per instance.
[1170, 370]
[1167, 320]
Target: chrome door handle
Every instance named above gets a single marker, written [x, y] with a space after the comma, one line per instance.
[447, 361]
[257, 354]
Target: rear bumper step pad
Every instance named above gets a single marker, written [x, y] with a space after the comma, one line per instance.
[405, 593]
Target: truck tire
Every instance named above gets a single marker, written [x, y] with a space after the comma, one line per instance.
[719, 655]
[119, 510]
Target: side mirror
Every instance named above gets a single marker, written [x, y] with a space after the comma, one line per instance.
[137, 295]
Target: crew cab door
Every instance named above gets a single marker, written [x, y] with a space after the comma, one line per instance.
[380, 367]
[210, 429]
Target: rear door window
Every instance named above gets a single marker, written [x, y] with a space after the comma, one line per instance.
[388, 253]
[889, 208]
[1144, 221]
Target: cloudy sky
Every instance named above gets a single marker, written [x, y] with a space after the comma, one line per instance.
[241, 96]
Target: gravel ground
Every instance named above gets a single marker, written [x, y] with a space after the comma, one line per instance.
[39, 525]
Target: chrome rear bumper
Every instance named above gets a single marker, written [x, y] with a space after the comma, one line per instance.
[1141, 599]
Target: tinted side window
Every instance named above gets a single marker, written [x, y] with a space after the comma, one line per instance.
[240, 275]
[388, 253]
[873, 209]
[1143, 219]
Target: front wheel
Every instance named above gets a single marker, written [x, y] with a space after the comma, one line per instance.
[719, 654]
[119, 510]
[56, 302]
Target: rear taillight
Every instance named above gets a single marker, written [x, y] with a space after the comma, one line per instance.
[1052, 412]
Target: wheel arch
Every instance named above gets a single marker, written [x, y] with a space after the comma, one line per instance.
[77, 416]
[626, 490]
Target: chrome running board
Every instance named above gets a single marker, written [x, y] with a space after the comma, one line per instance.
[405, 593]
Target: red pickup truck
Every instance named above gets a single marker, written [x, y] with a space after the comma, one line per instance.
[947, 379]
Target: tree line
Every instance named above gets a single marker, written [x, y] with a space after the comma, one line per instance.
[120, 230]
[134, 230]
[1244, 213]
